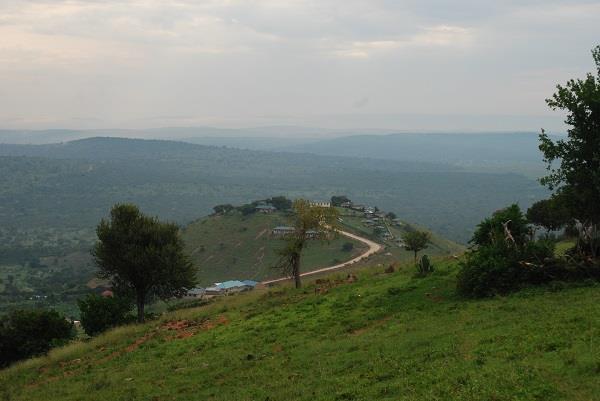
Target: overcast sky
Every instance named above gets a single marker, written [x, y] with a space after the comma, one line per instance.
[406, 65]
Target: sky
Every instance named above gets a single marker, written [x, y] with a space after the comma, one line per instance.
[403, 65]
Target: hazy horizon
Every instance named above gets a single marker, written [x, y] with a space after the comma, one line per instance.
[401, 66]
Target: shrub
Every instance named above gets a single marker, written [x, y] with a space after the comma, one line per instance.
[424, 267]
[27, 333]
[491, 270]
[347, 247]
[505, 257]
[99, 314]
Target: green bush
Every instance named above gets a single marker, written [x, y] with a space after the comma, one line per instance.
[491, 270]
[505, 257]
[424, 267]
[27, 333]
[99, 314]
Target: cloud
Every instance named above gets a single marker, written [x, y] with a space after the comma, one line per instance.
[222, 60]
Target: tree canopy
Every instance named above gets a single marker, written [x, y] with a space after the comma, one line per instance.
[142, 256]
[577, 176]
[280, 202]
[337, 200]
[416, 241]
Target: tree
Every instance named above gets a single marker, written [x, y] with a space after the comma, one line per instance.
[310, 222]
[27, 333]
[577, 177]
[280, 202]
[99, 313]
[416, 241]
[391, 215]
[223, 209]
[247, 209]
[347, 247]
[339, 200]
[549, 213]
[142, 256]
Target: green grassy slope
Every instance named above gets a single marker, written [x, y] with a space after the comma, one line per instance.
[242, 247]
[384, 337]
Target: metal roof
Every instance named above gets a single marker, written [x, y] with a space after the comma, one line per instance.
[231, 284]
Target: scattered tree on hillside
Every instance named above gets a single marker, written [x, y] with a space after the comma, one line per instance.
[223, 209]
[577, 178]
[416, 241]
[280, 202]
[347, 247]
[339, 200]
[391, 215]
[27, 333]
[247, 209]
[142, 256]
[310, 222]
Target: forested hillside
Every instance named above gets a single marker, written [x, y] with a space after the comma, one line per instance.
[74, 184]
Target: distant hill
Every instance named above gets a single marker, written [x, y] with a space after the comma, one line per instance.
[516, 152]
[75, 183]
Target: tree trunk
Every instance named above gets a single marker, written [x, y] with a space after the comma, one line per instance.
[140, 309]
[415, 258]
[296, 272]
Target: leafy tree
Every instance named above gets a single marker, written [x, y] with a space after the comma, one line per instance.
[27, 333]
[577, 177]
[391, 215]
[280, 202]
[347, 247]
[549, 213]
[338, 200]
[310, 222]
[247, 209]
[416, 241]
[99, 313]
[223, 209]
[143, 256]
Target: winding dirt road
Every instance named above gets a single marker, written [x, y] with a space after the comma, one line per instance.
[374, 247]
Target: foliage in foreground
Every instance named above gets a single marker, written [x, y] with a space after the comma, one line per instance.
[576, 179]
[27, 333]
[505, 257]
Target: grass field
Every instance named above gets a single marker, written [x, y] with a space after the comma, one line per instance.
[384, 337]
[236, 247]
